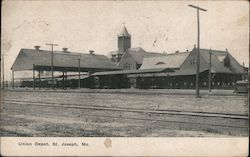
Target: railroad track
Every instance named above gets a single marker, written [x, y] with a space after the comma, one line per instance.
[156, 111]
[161, 113]
[148, 119]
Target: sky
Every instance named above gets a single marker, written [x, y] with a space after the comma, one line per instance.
[94, 25]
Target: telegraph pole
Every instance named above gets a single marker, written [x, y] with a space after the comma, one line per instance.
[0, 72]
[79, 72]
[3, 68]
[198, 49]
[52, 64]
[34, 77]
[209, 75]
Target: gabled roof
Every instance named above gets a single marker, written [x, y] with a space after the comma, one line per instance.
[176, 60]
[124, 32]
[139, 53]
[29, 57]
[218, 63]
[168, 61]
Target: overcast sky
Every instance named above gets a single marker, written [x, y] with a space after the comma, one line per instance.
[84, 25]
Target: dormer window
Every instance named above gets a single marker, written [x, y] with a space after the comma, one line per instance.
[159, 63]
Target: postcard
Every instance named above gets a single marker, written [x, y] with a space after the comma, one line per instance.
[124, 78]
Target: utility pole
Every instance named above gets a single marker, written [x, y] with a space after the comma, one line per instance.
[79, 72]
[52, 64]
[3, 68]
[34, 77]
[198, 49]
[0, 72]
[209, 75]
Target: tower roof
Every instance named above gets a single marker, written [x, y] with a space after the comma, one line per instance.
[124, 32]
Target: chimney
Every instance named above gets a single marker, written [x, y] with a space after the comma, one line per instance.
[177, 51]
[226, 50]
[91, 52]
[194, 46]
[37, 47]
[65, 50]
[187, 50]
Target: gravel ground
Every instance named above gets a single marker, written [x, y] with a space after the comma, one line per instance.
[28, 120]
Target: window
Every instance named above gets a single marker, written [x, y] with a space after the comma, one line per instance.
[193, 62]
[126, 66]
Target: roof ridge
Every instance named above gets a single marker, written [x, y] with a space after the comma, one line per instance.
[212, 50]
[178, 53]
[61, 52]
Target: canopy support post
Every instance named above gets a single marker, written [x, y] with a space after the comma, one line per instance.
[13, 79]
[39, 75]
[63, 82]
[79, 73]
[34, 76]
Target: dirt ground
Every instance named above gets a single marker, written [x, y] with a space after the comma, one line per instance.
[29, 120]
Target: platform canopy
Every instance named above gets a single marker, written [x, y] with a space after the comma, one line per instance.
[29, 59]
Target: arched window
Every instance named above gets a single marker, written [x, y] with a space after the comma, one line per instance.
[159, 63]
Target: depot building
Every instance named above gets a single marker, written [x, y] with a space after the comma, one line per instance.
[128, 67]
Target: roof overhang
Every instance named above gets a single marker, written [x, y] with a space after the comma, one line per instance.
[140, 71]
[68, 69]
